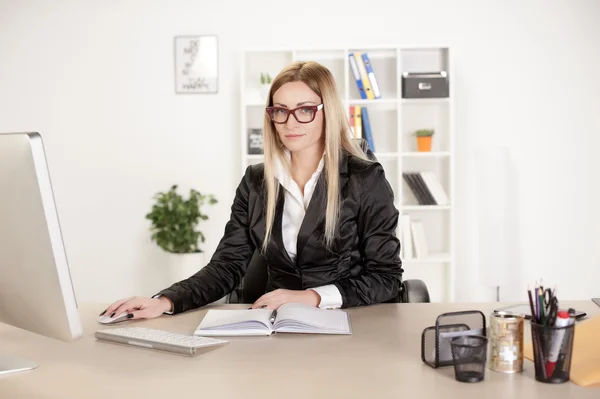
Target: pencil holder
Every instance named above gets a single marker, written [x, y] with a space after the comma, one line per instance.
[435, 340]
[469, 353]
[552, 351]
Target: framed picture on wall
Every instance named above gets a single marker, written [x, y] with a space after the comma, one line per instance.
[196, 64]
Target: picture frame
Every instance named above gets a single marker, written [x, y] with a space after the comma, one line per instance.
[196, 64]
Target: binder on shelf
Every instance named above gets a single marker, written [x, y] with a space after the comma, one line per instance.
[366, 129]
[371, 75]
[436, 189]
[419, 189]
[356, 75]
[357, 122]
[419, 240]
[363, 76]
[421, 183]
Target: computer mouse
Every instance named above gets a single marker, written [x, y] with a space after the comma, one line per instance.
[112, 320]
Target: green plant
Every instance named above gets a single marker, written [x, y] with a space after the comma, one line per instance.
[265, 78]
[174, 220]
[424, 132]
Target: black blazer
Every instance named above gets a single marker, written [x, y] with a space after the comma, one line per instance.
[363, 263]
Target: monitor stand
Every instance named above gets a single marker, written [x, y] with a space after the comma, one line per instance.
[12, 364]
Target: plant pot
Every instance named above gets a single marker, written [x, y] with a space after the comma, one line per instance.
[424, 143]
[182, 266]
[264, 91]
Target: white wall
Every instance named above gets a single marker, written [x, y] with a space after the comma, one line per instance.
[96, 79]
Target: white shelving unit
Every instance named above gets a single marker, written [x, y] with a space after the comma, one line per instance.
[393, 121]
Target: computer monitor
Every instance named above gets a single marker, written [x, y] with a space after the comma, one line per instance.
[36, 291]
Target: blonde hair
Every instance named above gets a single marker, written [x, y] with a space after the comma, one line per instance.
[337, 135]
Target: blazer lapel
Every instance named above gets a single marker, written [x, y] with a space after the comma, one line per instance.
[277, 231]
[317, 207]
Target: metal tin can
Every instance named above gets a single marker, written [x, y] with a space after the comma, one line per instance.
[506, 341]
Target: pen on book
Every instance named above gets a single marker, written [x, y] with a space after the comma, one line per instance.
[273, 316]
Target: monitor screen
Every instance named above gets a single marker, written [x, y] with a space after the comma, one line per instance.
[36, 291]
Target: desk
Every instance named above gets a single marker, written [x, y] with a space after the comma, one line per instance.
[380, 360]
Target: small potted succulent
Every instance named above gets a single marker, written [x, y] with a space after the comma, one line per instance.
[424, 137]
[265, 85]
[174, 229]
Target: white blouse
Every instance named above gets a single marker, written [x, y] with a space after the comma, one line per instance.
[294, 209]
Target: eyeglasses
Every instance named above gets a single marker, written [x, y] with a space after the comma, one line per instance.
[303, 114]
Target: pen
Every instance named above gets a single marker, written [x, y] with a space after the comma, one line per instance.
[531, 302]
[537, 303]
[273, 316]
[542, 315]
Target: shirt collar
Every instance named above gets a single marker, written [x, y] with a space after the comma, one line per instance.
[283, 175]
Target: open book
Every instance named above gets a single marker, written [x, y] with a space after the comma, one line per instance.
[289, 318]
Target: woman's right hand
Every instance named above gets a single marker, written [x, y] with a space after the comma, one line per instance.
[139, 307]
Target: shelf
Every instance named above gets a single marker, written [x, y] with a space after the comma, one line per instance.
[386, 155]
[373, 102]
[433, 258]
[432, 154]
[426, 207]
[425, 101]
[254, 156]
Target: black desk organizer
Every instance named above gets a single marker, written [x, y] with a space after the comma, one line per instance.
[435, 340]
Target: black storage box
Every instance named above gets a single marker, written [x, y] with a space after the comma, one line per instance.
[425, 85]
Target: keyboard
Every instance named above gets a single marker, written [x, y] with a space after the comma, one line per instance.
[158, 339]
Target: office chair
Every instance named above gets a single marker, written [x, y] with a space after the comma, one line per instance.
[254, 283]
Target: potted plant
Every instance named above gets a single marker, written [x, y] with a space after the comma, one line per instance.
[424, 137]
[174, 229]
[265, 85]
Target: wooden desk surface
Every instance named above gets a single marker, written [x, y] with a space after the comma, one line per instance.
[380, 360]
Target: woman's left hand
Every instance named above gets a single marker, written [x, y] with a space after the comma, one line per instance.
[274, 299]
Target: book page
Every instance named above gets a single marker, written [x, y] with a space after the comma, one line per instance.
[295, 317]
[235, 322]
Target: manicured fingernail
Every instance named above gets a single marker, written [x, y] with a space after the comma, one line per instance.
[104, 311]
[113, 314]
[129, 315]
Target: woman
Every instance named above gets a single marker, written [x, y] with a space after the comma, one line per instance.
[318, 209]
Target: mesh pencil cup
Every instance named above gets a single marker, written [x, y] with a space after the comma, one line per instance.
[552, 351]
[469, 353]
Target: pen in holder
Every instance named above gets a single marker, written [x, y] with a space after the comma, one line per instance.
[553, 348]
